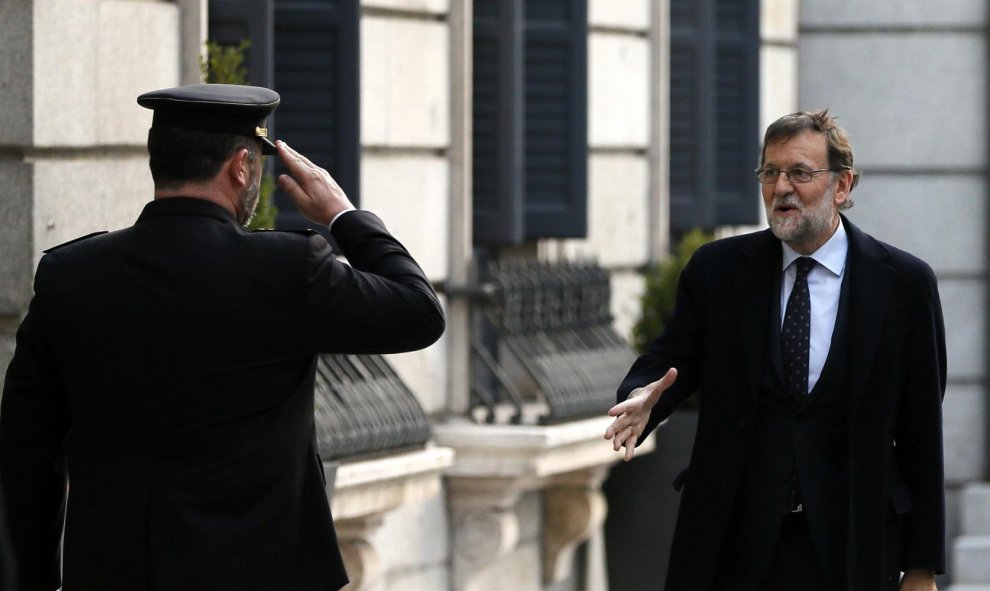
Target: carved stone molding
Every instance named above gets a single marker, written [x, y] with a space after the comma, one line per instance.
[366, 490]
[497, 464]
[574, 509]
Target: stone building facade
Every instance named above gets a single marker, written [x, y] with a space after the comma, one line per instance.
[489, 507]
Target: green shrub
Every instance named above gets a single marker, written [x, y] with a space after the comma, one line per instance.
[660, 291]
[225, 65]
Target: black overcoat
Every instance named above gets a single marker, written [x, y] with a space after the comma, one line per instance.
[895, 371]
[164, 376]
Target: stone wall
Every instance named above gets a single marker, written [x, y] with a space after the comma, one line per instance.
[908, 81]
[72, 153]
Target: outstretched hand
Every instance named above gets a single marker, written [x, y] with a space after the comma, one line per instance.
[316, 194]
[633, 413]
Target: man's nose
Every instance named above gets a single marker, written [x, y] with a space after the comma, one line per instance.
[783, 185]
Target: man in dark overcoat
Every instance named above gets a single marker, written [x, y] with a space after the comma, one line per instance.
[819, 356]
[158, 410]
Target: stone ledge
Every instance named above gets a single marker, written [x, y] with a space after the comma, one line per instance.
[531, 451]
[377, 485]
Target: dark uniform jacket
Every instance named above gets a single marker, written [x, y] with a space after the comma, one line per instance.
[163, 378]
[868, 447]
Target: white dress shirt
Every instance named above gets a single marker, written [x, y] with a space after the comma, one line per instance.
[824, 285]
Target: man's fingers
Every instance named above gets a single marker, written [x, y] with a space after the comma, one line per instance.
[292, 188]
[294, 161]
[630, 447]
[665, 382]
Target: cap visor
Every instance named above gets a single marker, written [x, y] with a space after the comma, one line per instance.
[267, 147]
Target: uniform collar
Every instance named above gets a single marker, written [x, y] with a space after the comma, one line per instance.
[185, 206]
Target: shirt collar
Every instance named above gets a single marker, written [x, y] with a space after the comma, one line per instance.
[831, 255]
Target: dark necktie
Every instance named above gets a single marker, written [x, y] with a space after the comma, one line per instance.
[795, 335]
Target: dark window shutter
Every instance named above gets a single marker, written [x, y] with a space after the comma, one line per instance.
[232, 21]
[737, 105]
[556, 128]
[497, 122]
[714, 112]
[530, 138]
[690, 124]
[316, 73]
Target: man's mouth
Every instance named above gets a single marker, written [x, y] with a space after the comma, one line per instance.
[786, 208]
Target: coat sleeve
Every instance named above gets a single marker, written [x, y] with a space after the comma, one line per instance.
[33, 426]
[918, 435]
[679, 346]
[381, 302]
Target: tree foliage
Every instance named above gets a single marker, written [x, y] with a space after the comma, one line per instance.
[660, 292]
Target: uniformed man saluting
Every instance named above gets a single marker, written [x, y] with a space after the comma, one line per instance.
[165, 371]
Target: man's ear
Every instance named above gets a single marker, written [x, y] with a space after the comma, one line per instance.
[843, 186]
[239, 168]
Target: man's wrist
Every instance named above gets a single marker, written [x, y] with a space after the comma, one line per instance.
[336, 217]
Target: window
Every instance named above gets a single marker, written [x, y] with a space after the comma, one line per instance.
[530, 120]
[714, 112]
[308, 52]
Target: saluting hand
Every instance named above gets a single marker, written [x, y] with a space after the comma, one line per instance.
[312, 189]
[633, 413]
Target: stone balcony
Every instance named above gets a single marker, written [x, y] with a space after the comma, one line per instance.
[495, 466]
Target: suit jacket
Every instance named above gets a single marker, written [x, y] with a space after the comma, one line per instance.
[893, 383]
[164, 376]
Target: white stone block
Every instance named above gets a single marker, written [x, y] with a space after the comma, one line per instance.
[778, 86]
[971, 560]
[898, 117]
[66, 32]
[633, 15]
[74, 197]
[916, 213]
[405, 83]
[16, 73]
[964, 436]
[779, 20]
[425, 579]
[16, 241]
[895, 13]
[410, 193]
[964, 308]
[424, 372]
[103, 55]
[618, 227]
[414, 536]
[619, 90]
[520, 570]
[139, 50]
[627, 289]
[976, 510]
[414, 6]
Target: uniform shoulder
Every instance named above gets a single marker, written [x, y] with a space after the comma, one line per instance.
[74, 241]
[307, 232]
[283, 236]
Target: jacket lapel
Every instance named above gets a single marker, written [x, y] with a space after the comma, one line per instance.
[871, 287]
[755, 280]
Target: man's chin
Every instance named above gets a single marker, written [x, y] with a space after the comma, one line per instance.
[785, 230]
